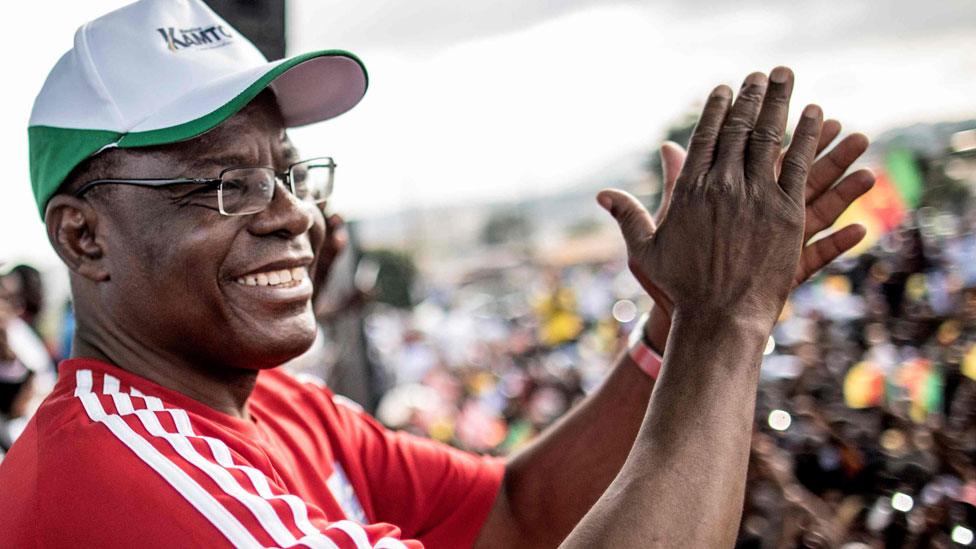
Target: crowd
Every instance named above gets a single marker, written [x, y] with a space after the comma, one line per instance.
[864, 428]
[865, 425]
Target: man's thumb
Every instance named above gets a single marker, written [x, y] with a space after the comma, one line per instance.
[672, 160]
[635, 222]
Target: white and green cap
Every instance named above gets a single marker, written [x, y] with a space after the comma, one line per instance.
[162, 71]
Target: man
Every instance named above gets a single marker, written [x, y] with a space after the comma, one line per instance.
[189, 227]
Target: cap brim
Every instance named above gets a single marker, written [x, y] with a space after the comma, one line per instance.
[309, 88]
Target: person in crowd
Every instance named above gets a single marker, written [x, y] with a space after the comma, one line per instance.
[23, 291]
[190, 227]
[26, 290]
[16, 381]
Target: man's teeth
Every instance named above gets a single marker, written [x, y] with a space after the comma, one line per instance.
[274, 278]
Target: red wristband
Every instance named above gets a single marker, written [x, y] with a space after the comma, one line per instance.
[641, 353]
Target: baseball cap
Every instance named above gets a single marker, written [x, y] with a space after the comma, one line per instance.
[162, 71]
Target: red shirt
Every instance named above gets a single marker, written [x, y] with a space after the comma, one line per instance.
[113, 460]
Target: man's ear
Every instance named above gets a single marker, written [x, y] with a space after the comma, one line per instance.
[71, 224]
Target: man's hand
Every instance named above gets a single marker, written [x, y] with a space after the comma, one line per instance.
[333, 242]
[825, 198]
[725, 255]
[732, 233]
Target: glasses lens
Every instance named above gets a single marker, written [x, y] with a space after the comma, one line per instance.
[311, 180]
[246, 190]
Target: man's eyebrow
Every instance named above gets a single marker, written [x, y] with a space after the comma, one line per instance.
[222, 162]
[216, 163]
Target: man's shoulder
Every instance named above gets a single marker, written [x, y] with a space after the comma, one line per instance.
[69, 435]
[68, 464]
[102, 455]
[60, 424]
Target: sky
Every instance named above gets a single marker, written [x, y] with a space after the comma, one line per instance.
[499, 100]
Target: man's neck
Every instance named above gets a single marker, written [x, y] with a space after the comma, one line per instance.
[223, 389]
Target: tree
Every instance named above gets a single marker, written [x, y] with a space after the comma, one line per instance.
[505, 226]
[396, 274]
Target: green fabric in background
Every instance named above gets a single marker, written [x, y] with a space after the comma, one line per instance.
[903, 170]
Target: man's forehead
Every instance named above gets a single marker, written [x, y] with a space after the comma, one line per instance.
[241, 149]
[241, 139]
[244, 139]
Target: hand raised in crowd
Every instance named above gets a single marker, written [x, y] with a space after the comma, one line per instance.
[827, 195]
[734, 228]
[333, 242]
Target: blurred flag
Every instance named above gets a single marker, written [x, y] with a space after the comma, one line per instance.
[922, 382]
[897, 190]
[932, 392]
[904, 173]
[864, 386]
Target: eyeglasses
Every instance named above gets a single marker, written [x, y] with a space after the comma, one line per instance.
[244, 191]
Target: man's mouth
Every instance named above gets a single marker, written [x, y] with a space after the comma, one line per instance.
[282, 278]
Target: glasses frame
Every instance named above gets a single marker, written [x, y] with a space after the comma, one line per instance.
[285, 177]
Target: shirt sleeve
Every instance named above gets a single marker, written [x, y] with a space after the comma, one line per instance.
[139, 475]
[432, 492]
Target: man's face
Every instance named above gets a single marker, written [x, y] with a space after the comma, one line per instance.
[178, 271]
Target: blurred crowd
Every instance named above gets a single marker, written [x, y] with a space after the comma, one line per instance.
[865, 426]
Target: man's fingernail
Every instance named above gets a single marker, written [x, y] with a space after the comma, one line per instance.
[722, 91]
[605, 202]
[867, 174]
[755, 79]
[812, 111]
[780, 75]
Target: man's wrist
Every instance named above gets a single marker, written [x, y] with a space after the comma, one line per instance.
[639, 350]
[739, 314]
[720, 328]
[656, 329]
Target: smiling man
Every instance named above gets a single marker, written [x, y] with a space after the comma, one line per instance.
[191, 226]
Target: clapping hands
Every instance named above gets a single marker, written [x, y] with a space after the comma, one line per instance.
[738, 210]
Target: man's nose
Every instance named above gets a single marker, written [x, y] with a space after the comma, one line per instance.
[285, 214]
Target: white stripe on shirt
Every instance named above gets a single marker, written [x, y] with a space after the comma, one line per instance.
[258, 505]
[262, 510]
[199, 498]
[223, 457]
[389, 543]
[358, 536]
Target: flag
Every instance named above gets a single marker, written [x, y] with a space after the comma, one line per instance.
[898, 189]
[863, 386]
[904, 173]
[880, 210]
[923, 383]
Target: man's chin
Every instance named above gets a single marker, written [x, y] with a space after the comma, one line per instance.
[277, 342]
